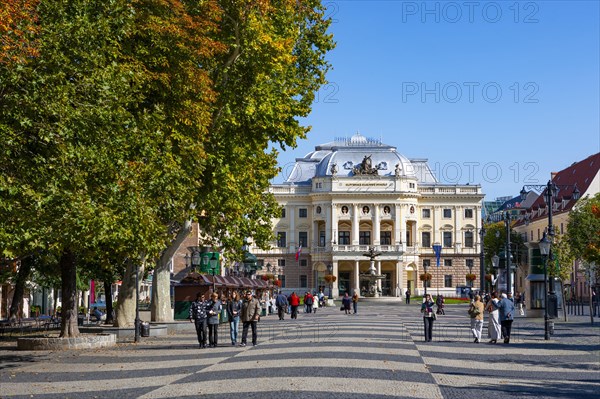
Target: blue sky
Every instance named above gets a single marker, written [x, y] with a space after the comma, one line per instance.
[497, 93]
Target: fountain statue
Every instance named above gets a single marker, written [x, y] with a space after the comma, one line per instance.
[371, 275]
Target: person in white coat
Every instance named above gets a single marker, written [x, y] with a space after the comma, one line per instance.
[494, 327]
[315, 304]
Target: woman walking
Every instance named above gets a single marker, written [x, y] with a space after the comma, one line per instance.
[428, 317]
[213, 309]
[476, 313]
[494, 322]
[234, 307]
[355, 302]
[346, 303]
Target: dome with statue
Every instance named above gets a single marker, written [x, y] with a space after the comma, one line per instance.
[358, 156]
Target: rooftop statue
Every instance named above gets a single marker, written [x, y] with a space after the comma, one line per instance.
[365, 167]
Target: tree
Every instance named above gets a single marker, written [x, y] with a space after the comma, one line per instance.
[127, 113]
[583, 230]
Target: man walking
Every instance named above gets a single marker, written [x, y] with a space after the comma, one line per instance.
[198, 316]
[250, 315]
[407, 296]
[281, 303]
[506, 310]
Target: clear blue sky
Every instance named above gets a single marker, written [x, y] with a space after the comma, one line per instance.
[497, 93]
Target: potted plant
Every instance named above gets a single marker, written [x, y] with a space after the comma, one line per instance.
[425, 277]
[470, 277]
[330, 278]
[277, 283]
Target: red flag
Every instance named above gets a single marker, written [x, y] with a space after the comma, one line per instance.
[298, 252]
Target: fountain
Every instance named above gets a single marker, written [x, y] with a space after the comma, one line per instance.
[371, 275]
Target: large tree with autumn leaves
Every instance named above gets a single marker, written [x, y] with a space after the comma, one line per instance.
[118, 116]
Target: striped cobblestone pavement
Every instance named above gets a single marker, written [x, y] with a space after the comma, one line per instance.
[378, 353]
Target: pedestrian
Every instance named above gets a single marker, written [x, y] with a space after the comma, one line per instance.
[234, 309]
[294, 303]
[250, 317]
[355, 301]
[439, 302]
[493, 321]
[308, 301]
[519, 303]
[213, 308]
[346, 300]
[476, 313]
[315, 304]
[281, 303]
[198, 316]
[407, 297]
[506, 308]
[428, 317]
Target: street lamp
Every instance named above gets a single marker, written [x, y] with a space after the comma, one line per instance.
[507, 252]
[425, 279]
[214, 263]
[481, 261]
[545, 251]
[330, 269]
[194, 260]
[495, 265]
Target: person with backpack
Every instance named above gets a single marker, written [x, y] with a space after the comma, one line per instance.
[308, 301]
[476, 313]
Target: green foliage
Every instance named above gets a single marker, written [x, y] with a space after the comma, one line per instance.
[583, 230]
[494, 243]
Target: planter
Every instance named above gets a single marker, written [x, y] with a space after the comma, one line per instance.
[425, 277]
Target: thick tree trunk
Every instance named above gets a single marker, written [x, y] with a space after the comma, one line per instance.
[161, 282]
[68, 272]
[109, 304]
[125, 312]
[17, 301]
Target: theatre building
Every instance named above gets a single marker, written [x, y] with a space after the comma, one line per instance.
[356, 195]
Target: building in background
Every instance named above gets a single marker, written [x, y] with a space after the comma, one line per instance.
[352, 194]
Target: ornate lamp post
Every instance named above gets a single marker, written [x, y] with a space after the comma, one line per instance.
[330, 269]
[545, 251]
[508, 255]
[495, 265]
[481, 261]
[425, 281]
[214, 264]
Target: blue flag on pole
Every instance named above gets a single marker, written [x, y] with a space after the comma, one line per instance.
[437, 249]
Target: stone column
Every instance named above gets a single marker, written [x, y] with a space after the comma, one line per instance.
[400, 286]
[398, 227]
[356, 278]
[378, 268]
[329, 213]
[355, 224]
[336, 290]
[376, 225]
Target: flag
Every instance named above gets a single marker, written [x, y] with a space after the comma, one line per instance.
[298, 252]
[437, 249]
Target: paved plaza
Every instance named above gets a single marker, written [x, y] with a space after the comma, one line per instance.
[379, 353]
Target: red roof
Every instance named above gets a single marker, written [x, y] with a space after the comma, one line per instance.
[580, 173]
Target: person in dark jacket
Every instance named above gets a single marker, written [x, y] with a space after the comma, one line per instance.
[346, 301]
[250, 315]
[281, 303]
[428, 317]
[198, 316]
[506, 309]
[234, 310]
[213, 308]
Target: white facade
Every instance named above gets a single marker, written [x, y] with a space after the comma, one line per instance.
[350, 195]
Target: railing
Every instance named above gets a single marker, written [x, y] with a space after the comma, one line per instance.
[582, 307]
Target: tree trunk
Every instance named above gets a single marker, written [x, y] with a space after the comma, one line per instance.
[17, 301]
[109, 304]
[161, 282]
[68, 274]
[125, 312]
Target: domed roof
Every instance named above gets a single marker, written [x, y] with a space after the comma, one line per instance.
[357, 155]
